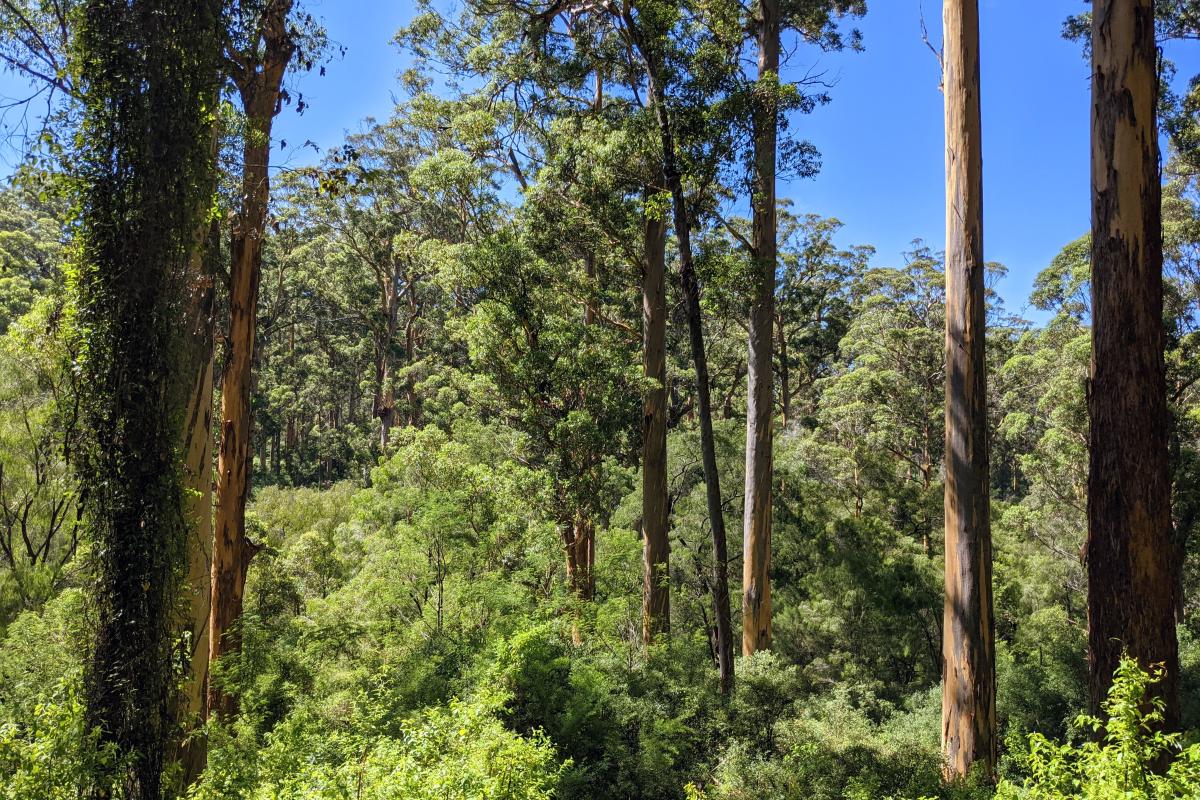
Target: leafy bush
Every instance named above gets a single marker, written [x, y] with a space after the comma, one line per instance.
[459, 751]
[51, 754]
[1121, 763]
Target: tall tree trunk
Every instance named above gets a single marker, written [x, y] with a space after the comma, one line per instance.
[656, 547]
[785, 373]
[385, 392]
[144, 161]
[581, 558]
[1130, 553]
[579, 541]
[410, 351]
[259, 85]
[756, 532]
[968, 641]
[691, 296]
[197, 472]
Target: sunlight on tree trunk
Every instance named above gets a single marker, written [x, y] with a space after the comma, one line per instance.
[968, 639]
[1130, 552]
[259, 86]
[760, 400]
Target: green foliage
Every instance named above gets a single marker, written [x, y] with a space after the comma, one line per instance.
[38, 650]
[31, 249]
[51, 754]
[39, 511]
[826, 746]
[456, 752]
[449, 376]
[1127, 758]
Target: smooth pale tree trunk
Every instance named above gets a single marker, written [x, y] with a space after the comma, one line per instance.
[656, 547]
[1130, 554]
[785, 383]
[385, 392]
[756, 531]
[691, 297]
[968, 638]
[259, 85]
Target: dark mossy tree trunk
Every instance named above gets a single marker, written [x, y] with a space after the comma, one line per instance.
[258, 75]
[149, 70]
[1131, 557]
[681, 219]
[760, 401]
[969, 735]
[656, 546]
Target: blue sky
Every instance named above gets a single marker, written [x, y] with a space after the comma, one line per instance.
[881, 138]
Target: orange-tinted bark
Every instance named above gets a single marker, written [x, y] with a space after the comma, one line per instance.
[259, 80]
[968, 640]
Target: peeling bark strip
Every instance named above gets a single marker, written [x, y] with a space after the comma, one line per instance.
[656, 547]
[756, 532]
[1131, 572]
[258, 79]
[197, 440]
[968, 642]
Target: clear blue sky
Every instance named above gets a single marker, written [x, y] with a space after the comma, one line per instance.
[881, 138]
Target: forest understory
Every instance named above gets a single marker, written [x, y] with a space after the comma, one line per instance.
[530, 443]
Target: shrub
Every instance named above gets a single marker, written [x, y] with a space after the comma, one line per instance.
[1118, 764]
[51, 755]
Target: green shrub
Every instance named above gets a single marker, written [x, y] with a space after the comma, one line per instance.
[51, 755]
[1119, 764]
[459, 751]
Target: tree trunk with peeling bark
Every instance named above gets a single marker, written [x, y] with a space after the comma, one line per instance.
[656, 547]
[760, 401]
[197, 443]
[1130, 552]
[259, 80]
[968, 640]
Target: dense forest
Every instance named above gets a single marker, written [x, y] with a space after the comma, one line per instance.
[530, 443]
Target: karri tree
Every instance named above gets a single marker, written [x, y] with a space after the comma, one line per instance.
[648, 34]
[968, 638]
[149, 72]
[257, 58]
[1131, 559]
[760, 378]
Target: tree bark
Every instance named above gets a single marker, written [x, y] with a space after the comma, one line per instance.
[756, 531]
[785, 382]
[968, 641]
[691, 295]
[1130, 552]
[196, 447]
[385, 392]
[579, 541]
[656, 547]
[259, 83]
[150, 69]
